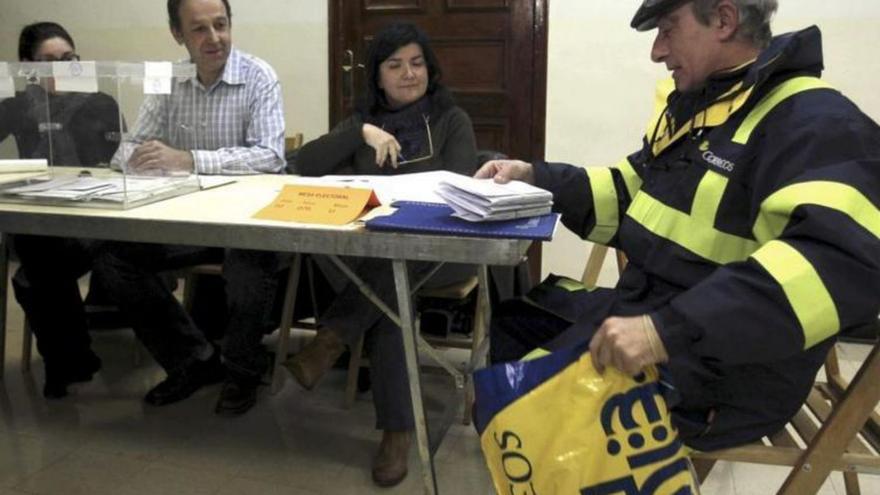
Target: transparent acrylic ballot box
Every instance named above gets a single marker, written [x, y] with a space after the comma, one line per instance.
[73, 133]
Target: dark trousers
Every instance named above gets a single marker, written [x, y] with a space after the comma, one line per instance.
[351, 315]
[713, 406]
[46, 287]
[162, 324]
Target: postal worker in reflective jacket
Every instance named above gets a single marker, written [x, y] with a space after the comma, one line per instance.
[749, 217]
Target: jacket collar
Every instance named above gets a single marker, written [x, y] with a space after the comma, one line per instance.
[796, 53]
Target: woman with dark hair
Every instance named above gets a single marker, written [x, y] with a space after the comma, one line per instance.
[77, 129]
[407, 122]
[404, 99]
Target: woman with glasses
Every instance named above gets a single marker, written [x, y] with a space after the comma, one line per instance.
[407, 122]
[76, 129]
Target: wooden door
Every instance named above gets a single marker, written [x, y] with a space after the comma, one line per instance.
[492, 53]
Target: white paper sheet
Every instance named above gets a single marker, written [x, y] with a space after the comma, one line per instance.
[76, 77]
[7, 86]
[157, 78]
[212, 181]
[389, 188]
[17, 165]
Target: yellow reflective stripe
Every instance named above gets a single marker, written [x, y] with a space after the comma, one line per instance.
[713, 116]
[778, 95]
[776, 210]
[694, 234]
[569, 285]
[708, 197]
[664, 88]
[605, 205]
[804, 289]
[535, 354]
[630, 177]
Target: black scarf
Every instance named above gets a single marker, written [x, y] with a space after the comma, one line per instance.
[409, 125]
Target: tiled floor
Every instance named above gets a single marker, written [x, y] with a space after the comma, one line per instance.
[103, 440]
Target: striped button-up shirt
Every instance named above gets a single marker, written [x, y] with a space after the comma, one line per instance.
[235, 126]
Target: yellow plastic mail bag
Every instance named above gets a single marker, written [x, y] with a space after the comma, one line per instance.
[555, 426]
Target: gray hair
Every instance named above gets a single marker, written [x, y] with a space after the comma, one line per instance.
[754, 18]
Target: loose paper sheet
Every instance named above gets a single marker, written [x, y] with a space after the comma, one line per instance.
[7, 86]
[157, 78]
[77, 77]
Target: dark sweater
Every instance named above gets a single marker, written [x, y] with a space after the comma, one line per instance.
[84, 127]
[344, 151]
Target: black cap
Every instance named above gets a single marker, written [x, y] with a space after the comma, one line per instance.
[646, 17]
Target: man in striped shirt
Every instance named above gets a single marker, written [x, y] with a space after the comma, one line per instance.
[227, 121]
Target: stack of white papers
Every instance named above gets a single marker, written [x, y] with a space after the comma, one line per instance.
[419, 186]
[88, 188]
[15, 166]
[480, 200]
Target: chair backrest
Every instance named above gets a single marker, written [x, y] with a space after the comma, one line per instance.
[292, 144]
[594, 264]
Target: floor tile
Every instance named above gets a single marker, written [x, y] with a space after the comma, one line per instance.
[83, 472]
[720, 480]
[103, 439]
[23, 455]
[162, 479]
[240, 486]
[754, 479]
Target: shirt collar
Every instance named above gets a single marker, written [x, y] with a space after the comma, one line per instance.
[233, 72]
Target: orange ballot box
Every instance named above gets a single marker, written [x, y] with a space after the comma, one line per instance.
[319, 204]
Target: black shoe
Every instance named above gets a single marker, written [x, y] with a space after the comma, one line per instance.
[237, 396]
[182, 383]
[58, 378]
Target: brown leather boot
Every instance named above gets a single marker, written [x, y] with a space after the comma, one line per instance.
[310, 364]
[389, 465]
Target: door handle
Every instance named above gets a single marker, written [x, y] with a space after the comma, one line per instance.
[348, 61]
[348, 74]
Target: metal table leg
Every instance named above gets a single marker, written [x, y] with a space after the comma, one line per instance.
[278, 371]
[404, 304]
[4, 272]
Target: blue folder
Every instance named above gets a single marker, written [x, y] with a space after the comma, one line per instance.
[435, 218]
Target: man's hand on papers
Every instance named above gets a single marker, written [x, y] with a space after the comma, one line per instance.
[627, 343]
[386, 146]
[504, 171]
[157, 158]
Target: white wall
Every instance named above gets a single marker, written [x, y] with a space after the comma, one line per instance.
[600, 83]
[600, 78]
[290, 34]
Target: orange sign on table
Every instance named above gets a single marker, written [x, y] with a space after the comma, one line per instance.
[317, 204]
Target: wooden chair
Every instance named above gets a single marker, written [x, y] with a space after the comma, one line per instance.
[837, 429]
[432, 345]
[594, 264]
[293, 143]
[836, 426]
